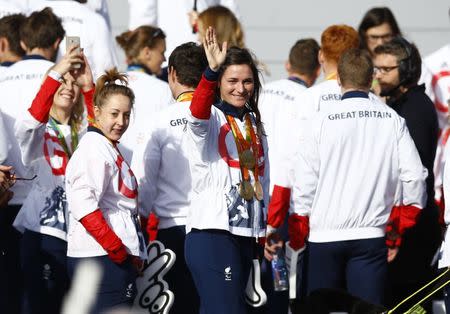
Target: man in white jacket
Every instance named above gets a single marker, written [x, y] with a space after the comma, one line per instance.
[357, 161]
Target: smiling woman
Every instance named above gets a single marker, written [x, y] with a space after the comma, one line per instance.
[48, 135]
[228, 140]
[102, 198]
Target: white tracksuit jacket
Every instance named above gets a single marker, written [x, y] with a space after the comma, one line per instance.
[18, 86]
[216, 203]
[444, 260]
[161, 166]
[436, 76]
[45, 208]
[151, 95]
[355, 155]
[97, 177]
[278, 106]
[4, 142]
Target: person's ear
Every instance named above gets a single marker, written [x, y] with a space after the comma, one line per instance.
[147, 53]
[338, 80]
[287, 66]
[320, 57]
[55, 45]
[4, 45]
[96, 112]
[23, 45]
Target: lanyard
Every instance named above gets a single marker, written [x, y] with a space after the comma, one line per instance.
[138, 68]
[185, 96]
[332, 76]
[62, 140]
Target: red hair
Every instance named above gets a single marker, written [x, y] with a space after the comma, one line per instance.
[337, 39]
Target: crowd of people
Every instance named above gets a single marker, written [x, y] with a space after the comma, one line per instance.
[188, 146]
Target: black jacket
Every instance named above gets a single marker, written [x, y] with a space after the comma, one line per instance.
[421, 119]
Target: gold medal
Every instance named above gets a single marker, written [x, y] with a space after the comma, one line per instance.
[246, 159]
[246, 190]
[258, 191]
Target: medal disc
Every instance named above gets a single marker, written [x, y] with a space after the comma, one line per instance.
[258, 191]
[247, 160]
[246, 190]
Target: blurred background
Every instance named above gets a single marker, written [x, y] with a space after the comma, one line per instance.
[272, 27]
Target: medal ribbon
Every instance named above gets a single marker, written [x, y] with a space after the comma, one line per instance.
[244, 144]
[185, 96]
[332, 76]
[62, 140]
[251, 135]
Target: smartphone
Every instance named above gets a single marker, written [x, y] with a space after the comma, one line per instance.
[73, 41]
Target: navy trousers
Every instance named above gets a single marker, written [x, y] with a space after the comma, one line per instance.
[45, 277]
[220, 265]
[117, 288]
[179, 277]
[358, 266]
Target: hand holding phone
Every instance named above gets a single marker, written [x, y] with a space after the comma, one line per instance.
[72, 41]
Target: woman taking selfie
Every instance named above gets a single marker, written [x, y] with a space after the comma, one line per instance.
[48, 135]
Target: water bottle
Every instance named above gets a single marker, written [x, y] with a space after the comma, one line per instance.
[279, 271]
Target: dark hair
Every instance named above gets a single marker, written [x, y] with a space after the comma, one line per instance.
[10, 29]
[376, 17]
[336, 39]
[41, 29]
[132, 42]
[189, 61]
[107, 85]
[240, 56]
[303, 57]
[355, 69]
[408, 58]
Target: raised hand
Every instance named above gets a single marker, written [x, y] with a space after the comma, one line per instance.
[214, 53]
[68, 61]
[83, 75]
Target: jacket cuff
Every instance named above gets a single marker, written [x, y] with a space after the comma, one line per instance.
[298, 230]
[211, 75]
[279, 206]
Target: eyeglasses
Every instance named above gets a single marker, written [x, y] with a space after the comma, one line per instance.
[384, 70]
[376, 38]
[13, 176]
